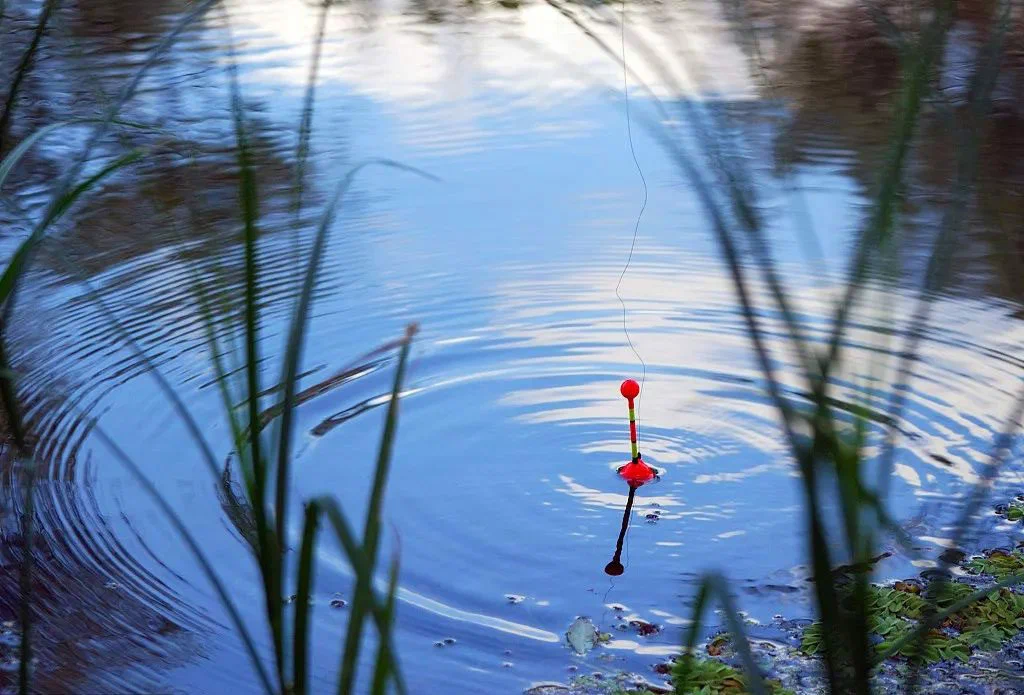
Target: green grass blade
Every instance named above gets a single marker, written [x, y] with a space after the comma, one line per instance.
[300, 648]
[714, 585]
[8, 292]
[915, 87]
[371, 530]
[364, 597]
[14, 156]
[383, 665]
[8, 281]
[271, 544]
[968, 151]
[24, 66]
[193, 546]
[306, 123]
[296, 339]
[22, 257]
[18, 263]
[696, 621]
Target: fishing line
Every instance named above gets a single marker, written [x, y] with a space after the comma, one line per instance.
[643, 207]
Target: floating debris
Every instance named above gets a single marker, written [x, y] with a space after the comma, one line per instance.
[644, 628]
[548, 689]
[582, 636]
[514, 599]
[718, 645]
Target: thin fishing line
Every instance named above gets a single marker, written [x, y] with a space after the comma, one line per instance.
[604, 604]
[636, 226]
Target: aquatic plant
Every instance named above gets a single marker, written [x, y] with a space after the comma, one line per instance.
[1013, 511]
[998, 563]
[699, 676]
[983, 624]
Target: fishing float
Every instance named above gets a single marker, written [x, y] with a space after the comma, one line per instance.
[635, 473]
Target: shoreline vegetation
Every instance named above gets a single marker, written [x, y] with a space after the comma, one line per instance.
[974, 646]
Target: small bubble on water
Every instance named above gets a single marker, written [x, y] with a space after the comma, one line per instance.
[112, 585]
[448, 641]
[338, 602]
[506, 664]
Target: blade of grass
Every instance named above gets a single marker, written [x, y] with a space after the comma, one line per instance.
[21, 259]
[306, 122]
[193, 546]
[968, 151]
[16, 267]
[24, 66]
[915, 86]
[382, 667]
[14, 156]
[371, 529]
[271, 545]
[297, 333]
[362, 563]
[714, 585]
[8, 293]
[300, 649]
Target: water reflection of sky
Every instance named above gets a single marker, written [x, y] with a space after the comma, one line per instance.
[512, 425]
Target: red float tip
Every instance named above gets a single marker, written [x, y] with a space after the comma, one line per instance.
[636, 473]
[629, 389]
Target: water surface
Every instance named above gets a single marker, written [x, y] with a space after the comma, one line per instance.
[503, 502]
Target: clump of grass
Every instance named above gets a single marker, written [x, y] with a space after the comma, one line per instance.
[829, 450]
[264, 458]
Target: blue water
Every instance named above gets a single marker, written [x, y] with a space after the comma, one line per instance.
[511, 424]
